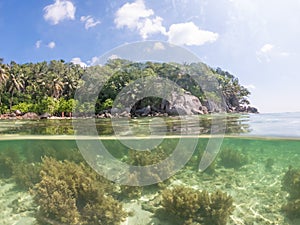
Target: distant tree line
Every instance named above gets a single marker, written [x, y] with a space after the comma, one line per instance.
[50, 86]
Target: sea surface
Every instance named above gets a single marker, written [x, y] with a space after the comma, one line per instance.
[261, 149]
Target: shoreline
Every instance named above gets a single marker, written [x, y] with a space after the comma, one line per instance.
[111, 116]
[7, 137]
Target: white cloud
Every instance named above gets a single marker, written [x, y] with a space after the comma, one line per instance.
[189, 34]
[250, 87]
[89, 21]
[269, 51]
[266, 48]
[78, 61]
[151, 26]
[284, 54]
[158, 46]
[130, 14]
[95, 61]
[113, 57]
[136, 16]
[38, 44]
[59, 11]
[51, 44]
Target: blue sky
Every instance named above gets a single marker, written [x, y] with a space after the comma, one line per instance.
[257, 41]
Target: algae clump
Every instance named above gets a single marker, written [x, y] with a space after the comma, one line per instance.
[193, 206]
[232, 159]
[291, 184]
[74, 194]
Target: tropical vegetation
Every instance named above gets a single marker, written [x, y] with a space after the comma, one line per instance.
[50, 86]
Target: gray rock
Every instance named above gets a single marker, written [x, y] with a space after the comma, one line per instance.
[251, 109]
[182, 104]
[214, 107]
[30, 115]
[18, 112]
[12, 115]
[115, 111]
[147, 111]
[144, 111]
[45, 116]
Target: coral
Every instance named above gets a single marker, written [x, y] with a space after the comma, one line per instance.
[194, 206]
[73, 193]
[232, 159]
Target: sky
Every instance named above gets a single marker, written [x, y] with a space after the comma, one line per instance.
[256, 41]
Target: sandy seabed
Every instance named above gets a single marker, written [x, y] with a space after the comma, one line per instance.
[257, 198]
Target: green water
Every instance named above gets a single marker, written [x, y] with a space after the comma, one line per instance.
[255, 186]
[48, 177]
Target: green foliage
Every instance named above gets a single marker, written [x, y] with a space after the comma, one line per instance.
[24, 107]
[87, 108]
[48, 105]
[194, 206]
[232, 158]
[107, 104]
[75, 194]
[4, 109]
[37, 87]
[66, 106]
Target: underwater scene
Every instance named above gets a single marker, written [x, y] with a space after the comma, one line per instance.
[188, 173]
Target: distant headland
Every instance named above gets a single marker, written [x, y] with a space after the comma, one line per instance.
[47, 89]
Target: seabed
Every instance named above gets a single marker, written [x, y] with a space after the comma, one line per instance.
[256, 191]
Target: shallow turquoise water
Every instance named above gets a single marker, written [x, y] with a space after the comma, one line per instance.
[255, 185]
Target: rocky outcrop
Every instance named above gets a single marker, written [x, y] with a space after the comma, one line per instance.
[178, 104]
[45, 116]
[246, 109]
[214, 107]
[30, 115]
[183, 104]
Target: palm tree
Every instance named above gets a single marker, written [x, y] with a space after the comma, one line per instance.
[15, 82]
[55, 76]
[4, 75]
[71, 80]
